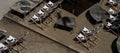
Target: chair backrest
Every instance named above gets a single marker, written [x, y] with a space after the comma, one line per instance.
[35, 18]
[45, 8]
[40, 12]
[112, 2]
[108, 24]
[50, 4]
[112, 18]
[3, 47]
[111, 11]
[81, 37]
[85, 30]
[10, 39]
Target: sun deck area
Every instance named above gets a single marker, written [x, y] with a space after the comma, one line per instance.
[58, 36]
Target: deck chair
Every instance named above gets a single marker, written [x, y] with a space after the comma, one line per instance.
[35, 19]
[112, 2]
[108, 25]
[112, 18]
[45, 8]
[84, 41]
[111, 28]
[50, 4]
[40, 13]
[88, 32]
[112, 11]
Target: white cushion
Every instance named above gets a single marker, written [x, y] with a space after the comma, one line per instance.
[35, 18]
[86, 30]
[45, 7]
[40, 12]
[112, 18]
[11, 38]
[50, 3]
[111, 11]
[112, 2]
[109, 24]
[81, 37]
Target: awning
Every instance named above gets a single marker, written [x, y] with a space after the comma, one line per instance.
[97, 13]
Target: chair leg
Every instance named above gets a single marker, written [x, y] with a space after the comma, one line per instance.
[88, 46]
[22, 46]
[85, 45]
[94, 38]
[14, 50]
[93, 42]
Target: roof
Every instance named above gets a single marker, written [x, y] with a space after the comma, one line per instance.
[97, 13]
[118, 45]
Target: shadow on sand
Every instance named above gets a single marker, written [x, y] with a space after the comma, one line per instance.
[77, 6]
[90, 19]
[114, 46]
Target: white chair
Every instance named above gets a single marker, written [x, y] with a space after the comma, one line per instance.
[40, 12]
[35, 18]
[108, 24]
[111, 11]
[112, 2]
[45, 8]
[85, 41]
[81, 37]
[86, 30]
[50, 4]
[10, 39]
[112, 18]
[3, 47]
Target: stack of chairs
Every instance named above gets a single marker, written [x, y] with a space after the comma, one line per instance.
[8, 43]
[44, 13]
[113, 7]
[112, 13]
[113, 19]
[46, 10]
[113, 28]
[113, 3]
[87, 38]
